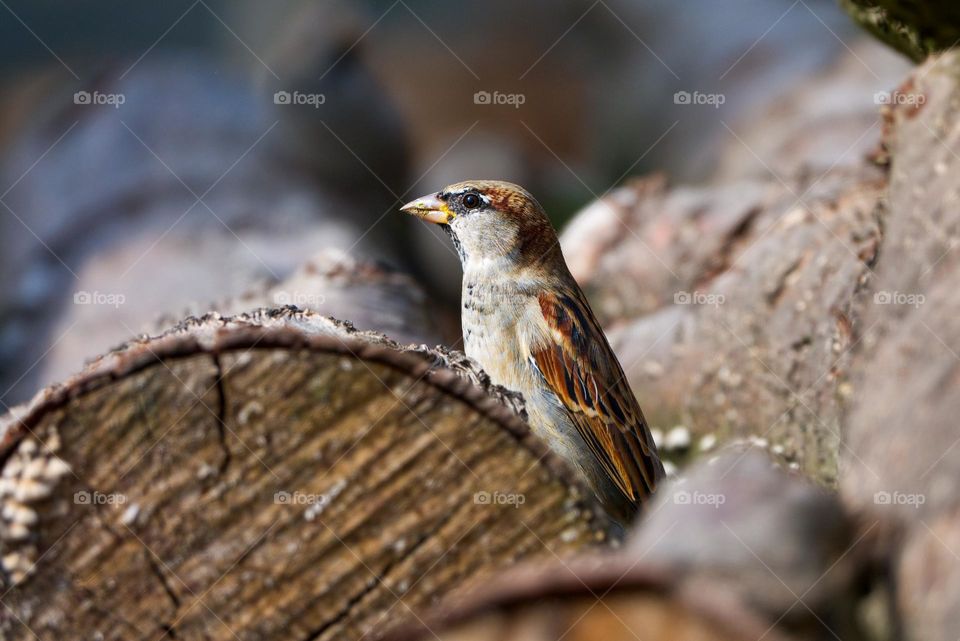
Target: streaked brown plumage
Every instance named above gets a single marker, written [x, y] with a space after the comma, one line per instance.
[528, 324]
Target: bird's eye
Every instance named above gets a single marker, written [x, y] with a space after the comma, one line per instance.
[471, 201]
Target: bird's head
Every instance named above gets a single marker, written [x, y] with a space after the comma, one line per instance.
[490, 221]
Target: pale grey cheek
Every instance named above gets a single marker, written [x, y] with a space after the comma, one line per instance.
[482, 238]
[463, 227]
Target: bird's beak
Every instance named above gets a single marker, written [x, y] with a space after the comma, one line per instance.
[429, 208]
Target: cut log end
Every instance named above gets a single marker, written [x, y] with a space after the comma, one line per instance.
[270, 473]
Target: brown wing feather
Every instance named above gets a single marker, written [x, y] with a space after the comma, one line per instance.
[587, 378]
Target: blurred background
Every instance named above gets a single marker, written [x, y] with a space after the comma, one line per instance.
[160, 159]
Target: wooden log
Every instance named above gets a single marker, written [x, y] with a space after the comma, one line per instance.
[733, 309]
[266, 475]
[195, 188]
[915, 29]
[782, 547]
[614, 598]
[735, 549]
[902, 450]
[332, 283]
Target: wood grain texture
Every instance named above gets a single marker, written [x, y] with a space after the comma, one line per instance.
[272, 475]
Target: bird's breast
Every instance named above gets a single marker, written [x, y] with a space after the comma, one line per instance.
[491, 315]
[500, 323]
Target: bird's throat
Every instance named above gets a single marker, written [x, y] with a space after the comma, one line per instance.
[456, 244]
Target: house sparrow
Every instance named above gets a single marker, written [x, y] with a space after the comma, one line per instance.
[526, 322]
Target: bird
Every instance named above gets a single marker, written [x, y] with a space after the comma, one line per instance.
[527, 323]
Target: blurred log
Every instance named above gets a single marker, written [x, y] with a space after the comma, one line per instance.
[191, 190]
[320, 50]
[914, 28]
[791, 311]
[614, 598]
[927, 579]
[783, 548]
[371, 294]
[818, 122]
[735, 307]
[902, 461]
[274, 474]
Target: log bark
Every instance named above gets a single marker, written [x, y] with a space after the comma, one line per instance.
[275, 474]
[750, 301]
[826, 308]
[902, 452]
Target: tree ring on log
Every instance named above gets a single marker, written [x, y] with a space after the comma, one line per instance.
[237, 478]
